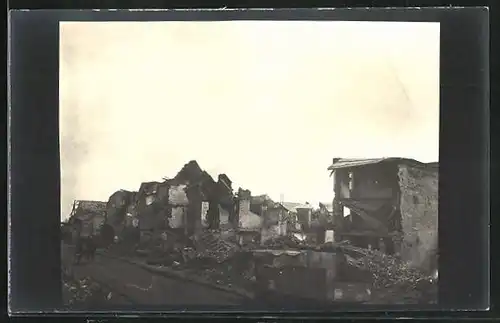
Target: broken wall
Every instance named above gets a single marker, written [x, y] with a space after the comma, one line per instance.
[117, 209]
[98, 222]
[341, 184]
[177, 195]
[177, 218]
[247, 219]
[173, 205]
[204, 213]
[419, 215]
[193, 211]
[224, 216]
[304, 217]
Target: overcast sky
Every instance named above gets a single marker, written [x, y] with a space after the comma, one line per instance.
[268, 103]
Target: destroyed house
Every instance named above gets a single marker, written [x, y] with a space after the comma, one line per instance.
[116, 209]
[224, 216]
[87, 217]
[293, 224]
[272, 213]
[304, 215]
[215, 198]
[225, 188]
[248, 223]
[162, 206]
[274, 222]
[262, 216]
[148, 209]
[388, 204]
[185, 204]
[146, 196]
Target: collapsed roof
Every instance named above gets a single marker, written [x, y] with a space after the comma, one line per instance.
[90, 206]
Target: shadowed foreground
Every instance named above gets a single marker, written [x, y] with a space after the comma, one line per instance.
[133, 285]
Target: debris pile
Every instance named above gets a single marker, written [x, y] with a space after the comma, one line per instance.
[207, 249]
[235, 271]
[210, 245]
[83, 292]
[393, 278]
[283, 242]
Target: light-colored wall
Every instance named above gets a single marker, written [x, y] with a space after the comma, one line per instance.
[248, 219]
[177, 219]
[177, 195]
[204, 213]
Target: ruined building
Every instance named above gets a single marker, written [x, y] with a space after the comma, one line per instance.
[117, 210]
[248, 223]
[180, 207]
[191, 205]
[389, 204]
[87, 217]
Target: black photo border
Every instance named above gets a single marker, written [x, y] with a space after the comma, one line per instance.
[34, 205]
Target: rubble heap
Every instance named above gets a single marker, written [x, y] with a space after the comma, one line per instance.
[391, 275]
[283, 242]
[83, 292]
[210, 245]
[237, 271]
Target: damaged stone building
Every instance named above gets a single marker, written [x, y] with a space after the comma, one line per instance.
[87, 217]
[117, 210]
[192, 204]
[248, 223]
[273, 217]
[389, 204]
[179, 207]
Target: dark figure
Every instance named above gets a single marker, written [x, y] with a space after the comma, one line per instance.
[85, 248]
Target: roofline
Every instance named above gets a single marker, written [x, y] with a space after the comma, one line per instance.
[413, 162]
[93, 201]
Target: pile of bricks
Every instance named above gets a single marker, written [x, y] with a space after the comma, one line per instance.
[209, 245]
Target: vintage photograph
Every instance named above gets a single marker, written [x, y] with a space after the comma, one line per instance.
[223, 163]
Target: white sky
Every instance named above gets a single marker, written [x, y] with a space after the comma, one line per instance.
[268, 103]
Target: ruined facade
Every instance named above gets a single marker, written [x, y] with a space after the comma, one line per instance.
[392, 205]
[274, 222]
[116, 210]
[87, 217]
[168, 206]
[147, 208]
[304, 216]
[186, 204]
[248, 223]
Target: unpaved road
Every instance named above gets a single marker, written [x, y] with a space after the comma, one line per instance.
[141, 287]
